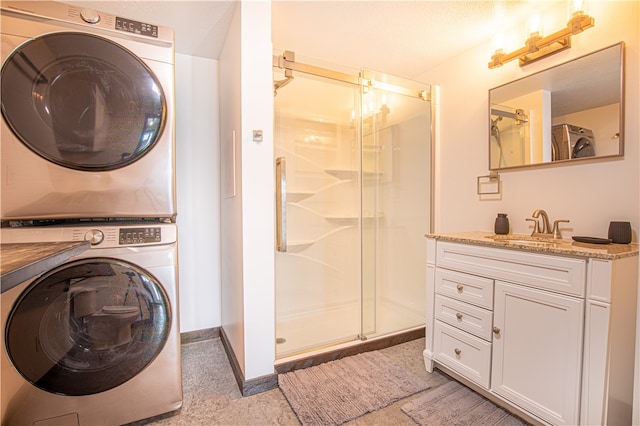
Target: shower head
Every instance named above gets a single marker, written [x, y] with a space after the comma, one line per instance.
[495, 130]
[494, 123]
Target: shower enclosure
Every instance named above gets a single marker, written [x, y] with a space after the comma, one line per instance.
[353, 177]
[511, 139]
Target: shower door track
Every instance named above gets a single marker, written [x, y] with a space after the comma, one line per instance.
[287, 61]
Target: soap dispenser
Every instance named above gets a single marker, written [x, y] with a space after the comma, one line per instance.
[502, 224]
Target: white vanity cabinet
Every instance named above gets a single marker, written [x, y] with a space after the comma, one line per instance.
[537, 351]
[547, 333]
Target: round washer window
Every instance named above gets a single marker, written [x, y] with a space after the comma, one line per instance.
[583, 148]
[82, 101]
[88, 326]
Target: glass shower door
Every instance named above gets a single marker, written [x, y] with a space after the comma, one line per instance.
[317, 150]
[396, 170]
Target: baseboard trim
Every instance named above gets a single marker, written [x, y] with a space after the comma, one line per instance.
[199, 335]
[247, 387]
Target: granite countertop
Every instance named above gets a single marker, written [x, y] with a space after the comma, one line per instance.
[22, 261]
[565, 247]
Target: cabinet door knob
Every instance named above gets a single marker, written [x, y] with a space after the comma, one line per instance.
[459, 315]
[457, 351]
[496, 330]
[460, 287]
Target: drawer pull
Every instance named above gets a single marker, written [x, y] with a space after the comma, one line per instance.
[496, 330]
[459, 315]
[457, 351]
[460, 287]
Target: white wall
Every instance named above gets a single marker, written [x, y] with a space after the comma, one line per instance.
[258, 181]
[198, 192]
[246, 88]
[231, 190]
[589, 195]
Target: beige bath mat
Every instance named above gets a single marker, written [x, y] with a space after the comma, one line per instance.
[453, 404]
[339, 391]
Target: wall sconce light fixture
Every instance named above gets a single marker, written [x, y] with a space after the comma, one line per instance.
[537, 47]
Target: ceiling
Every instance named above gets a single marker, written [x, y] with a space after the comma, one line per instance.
[403, 38]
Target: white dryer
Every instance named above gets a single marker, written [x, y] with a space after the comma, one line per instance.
[87, 114]
[94, 341]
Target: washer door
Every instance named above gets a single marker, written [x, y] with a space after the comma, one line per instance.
[583, 148]
[82, 101]
[88, 326]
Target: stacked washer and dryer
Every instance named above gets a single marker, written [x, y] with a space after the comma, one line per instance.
[87, 153]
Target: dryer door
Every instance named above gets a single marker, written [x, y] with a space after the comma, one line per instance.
[583, 148]
[82, 101]
[88, 326]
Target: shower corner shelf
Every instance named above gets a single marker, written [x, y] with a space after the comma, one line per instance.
[352, 220]
[342, 174]
[298, 246]
[296, 197]
[348, 174]
[343, 220]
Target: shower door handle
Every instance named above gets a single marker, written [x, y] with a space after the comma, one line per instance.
[281, 204]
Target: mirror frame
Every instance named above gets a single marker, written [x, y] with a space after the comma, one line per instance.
[546, 73]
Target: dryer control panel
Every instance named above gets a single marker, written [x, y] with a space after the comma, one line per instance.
[53, 11]
[100, 236]
[136, 27]
[147, 235]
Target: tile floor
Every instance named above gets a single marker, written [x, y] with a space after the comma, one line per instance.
[211, 395]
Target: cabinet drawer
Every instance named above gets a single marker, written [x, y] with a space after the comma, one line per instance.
[465, 354]
[555, 273]
[465, 287]
[464, 316]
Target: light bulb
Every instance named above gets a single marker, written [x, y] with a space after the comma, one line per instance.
[497, 43]
[576, 7]
[535, 25]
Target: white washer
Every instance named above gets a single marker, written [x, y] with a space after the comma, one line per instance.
[87, 114]
[94, 341]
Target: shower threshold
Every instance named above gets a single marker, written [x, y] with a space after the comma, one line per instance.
[332, 353]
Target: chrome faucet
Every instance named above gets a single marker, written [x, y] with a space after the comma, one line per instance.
[546, 230]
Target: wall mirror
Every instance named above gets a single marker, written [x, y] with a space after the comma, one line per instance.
[572, 111]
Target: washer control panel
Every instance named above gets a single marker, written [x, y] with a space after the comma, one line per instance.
[101, 236]
[136, 27]
[146, 235]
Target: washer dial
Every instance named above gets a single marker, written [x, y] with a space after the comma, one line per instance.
[95, 236]
[90, 16]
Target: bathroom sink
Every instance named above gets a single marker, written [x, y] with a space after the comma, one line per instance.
[525, 239]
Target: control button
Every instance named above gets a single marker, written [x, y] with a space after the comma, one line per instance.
[90, 16]
[95, 236]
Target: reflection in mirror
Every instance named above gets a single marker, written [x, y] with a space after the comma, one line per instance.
[568, 112]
